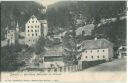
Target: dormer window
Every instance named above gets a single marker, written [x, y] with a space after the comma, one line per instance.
[32, 21]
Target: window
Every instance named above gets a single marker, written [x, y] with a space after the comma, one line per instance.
[91, 51]
[32, 21]
[38, 26]
[35, 26]
[29, 40]
[92, 57]
[86, 56]
[103, 50]
[36, 34]
[28, 30]
[103, 56]
[28, 26]
[36, 21]
[31, 30]
[97, 56]
[31, 26]
[29, 21]
[32, 34]
[28, 35]
[35, 31]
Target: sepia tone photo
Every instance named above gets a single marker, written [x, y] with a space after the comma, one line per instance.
[53, 38]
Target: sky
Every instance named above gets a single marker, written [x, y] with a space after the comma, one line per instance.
[49, 2]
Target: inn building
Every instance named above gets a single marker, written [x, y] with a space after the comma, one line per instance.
[98, 49]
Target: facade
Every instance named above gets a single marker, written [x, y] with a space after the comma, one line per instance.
[122, 51]
[44, 29]
[11, 36]
[34, 29]
[53, 58]
[98, 49]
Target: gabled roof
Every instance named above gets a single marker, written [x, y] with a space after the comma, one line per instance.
[96, 44]
[54, 51]
[33, 16]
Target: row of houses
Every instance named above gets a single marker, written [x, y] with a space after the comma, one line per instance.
[90, 51]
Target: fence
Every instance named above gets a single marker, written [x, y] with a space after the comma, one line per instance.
[64, 69]
[71, 68]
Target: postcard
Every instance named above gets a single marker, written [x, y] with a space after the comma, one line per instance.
[58, 41]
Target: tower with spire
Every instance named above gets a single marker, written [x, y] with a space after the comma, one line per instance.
[43, 21]
[12, 33]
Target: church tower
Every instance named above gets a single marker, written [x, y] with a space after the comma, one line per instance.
[44, 23]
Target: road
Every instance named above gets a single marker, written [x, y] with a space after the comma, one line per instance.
[115, 65]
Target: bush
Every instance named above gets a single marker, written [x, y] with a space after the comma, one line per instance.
[9, 58]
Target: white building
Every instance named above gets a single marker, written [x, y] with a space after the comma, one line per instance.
[53, 58]
[34, 28]
[122, 51]
[12, 35]
[98, 49]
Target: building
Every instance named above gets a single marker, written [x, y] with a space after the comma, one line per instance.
[85, 30]
[44, 27]
[34, 29]
[98, 49]
[53, 58]
[11, 37]
[122, 51]
[12, 34]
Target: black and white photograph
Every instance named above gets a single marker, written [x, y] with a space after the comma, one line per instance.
[57, 36]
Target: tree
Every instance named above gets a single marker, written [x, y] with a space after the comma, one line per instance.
[9, 58]
[96, 11]
[39, 47]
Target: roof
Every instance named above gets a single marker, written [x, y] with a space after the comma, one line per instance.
[54, 51]
[43, 21]
[96, 44]
[33, 16]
